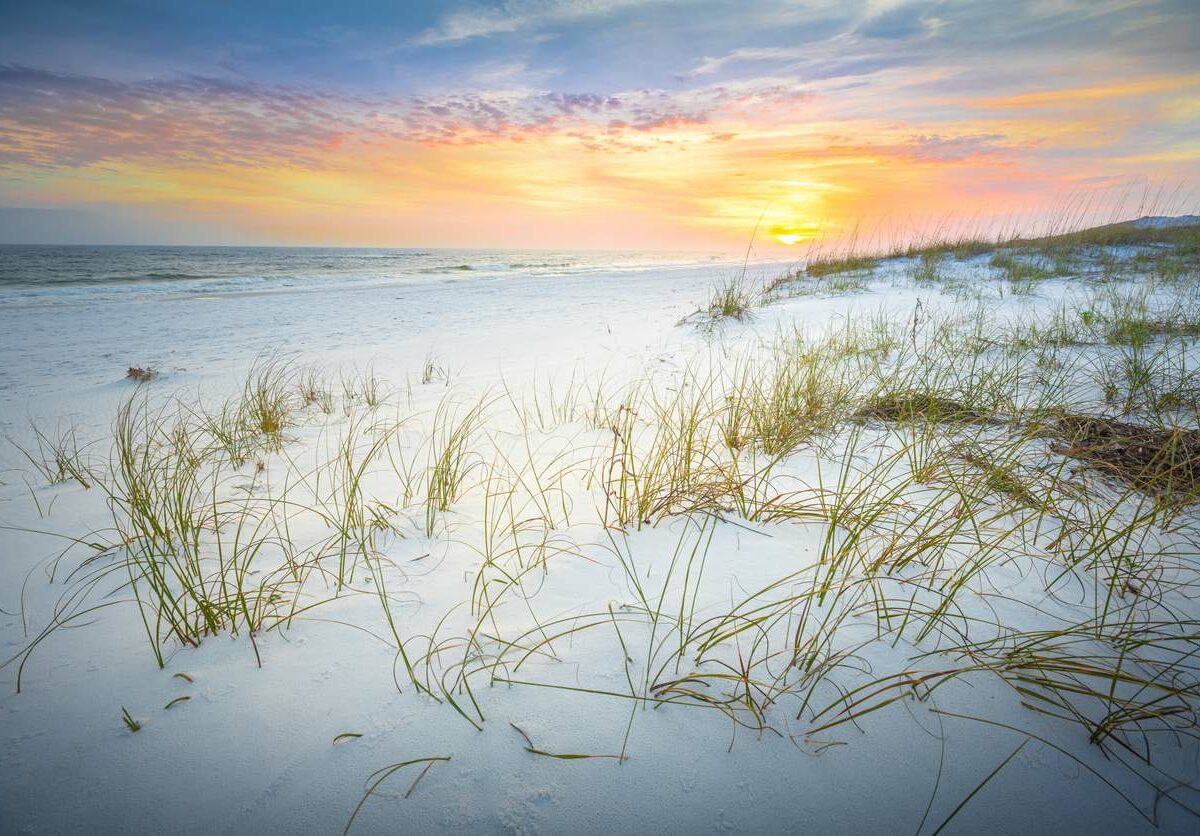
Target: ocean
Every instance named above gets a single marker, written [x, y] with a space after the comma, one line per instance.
[35, 274]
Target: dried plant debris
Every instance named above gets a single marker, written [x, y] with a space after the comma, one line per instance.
[924, 406]
[1165, 461]
[141, 374]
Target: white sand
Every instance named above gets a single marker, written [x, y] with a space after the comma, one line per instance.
[252, 751]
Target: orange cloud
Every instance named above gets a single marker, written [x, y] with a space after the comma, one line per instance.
[1093, 93]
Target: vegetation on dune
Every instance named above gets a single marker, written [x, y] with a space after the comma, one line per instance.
[732, 298]
[1168, 251]
[825, 266]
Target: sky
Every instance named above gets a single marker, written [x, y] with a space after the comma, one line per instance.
[625, 124]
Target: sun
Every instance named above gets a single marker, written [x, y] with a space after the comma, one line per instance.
[791, 235]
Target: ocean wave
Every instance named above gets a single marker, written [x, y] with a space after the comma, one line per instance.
[540, 265]
[447, 268]
[170, 277]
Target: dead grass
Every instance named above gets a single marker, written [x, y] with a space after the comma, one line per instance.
[923, 406]
[1163, 461]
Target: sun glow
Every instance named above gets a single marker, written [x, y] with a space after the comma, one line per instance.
[789, 236]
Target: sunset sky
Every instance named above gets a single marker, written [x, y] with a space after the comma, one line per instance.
[582, 123]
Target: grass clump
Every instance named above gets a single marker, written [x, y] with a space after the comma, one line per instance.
[362, 388]
[660, 462]
[803, 391]
[1021, 272]
[268, 399]
[450, 458]
[432, 369]
[1158, 383]
[851, 263]
[926, 270]
[803, 283]
[316, 391]
[1136, 324]
[57, 458]
[731, 299]
[130, 723]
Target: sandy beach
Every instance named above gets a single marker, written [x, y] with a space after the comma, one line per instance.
[546, 551]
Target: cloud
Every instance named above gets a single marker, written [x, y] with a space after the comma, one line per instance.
[709, 66]
[1103, 93]
[935, 147]
[62, 120]
[516, 15]
[56, 120]
[898, 22]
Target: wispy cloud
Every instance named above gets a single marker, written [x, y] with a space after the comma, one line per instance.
[62, 121]
[516, 15]
[1109, 92]
[709, 66]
